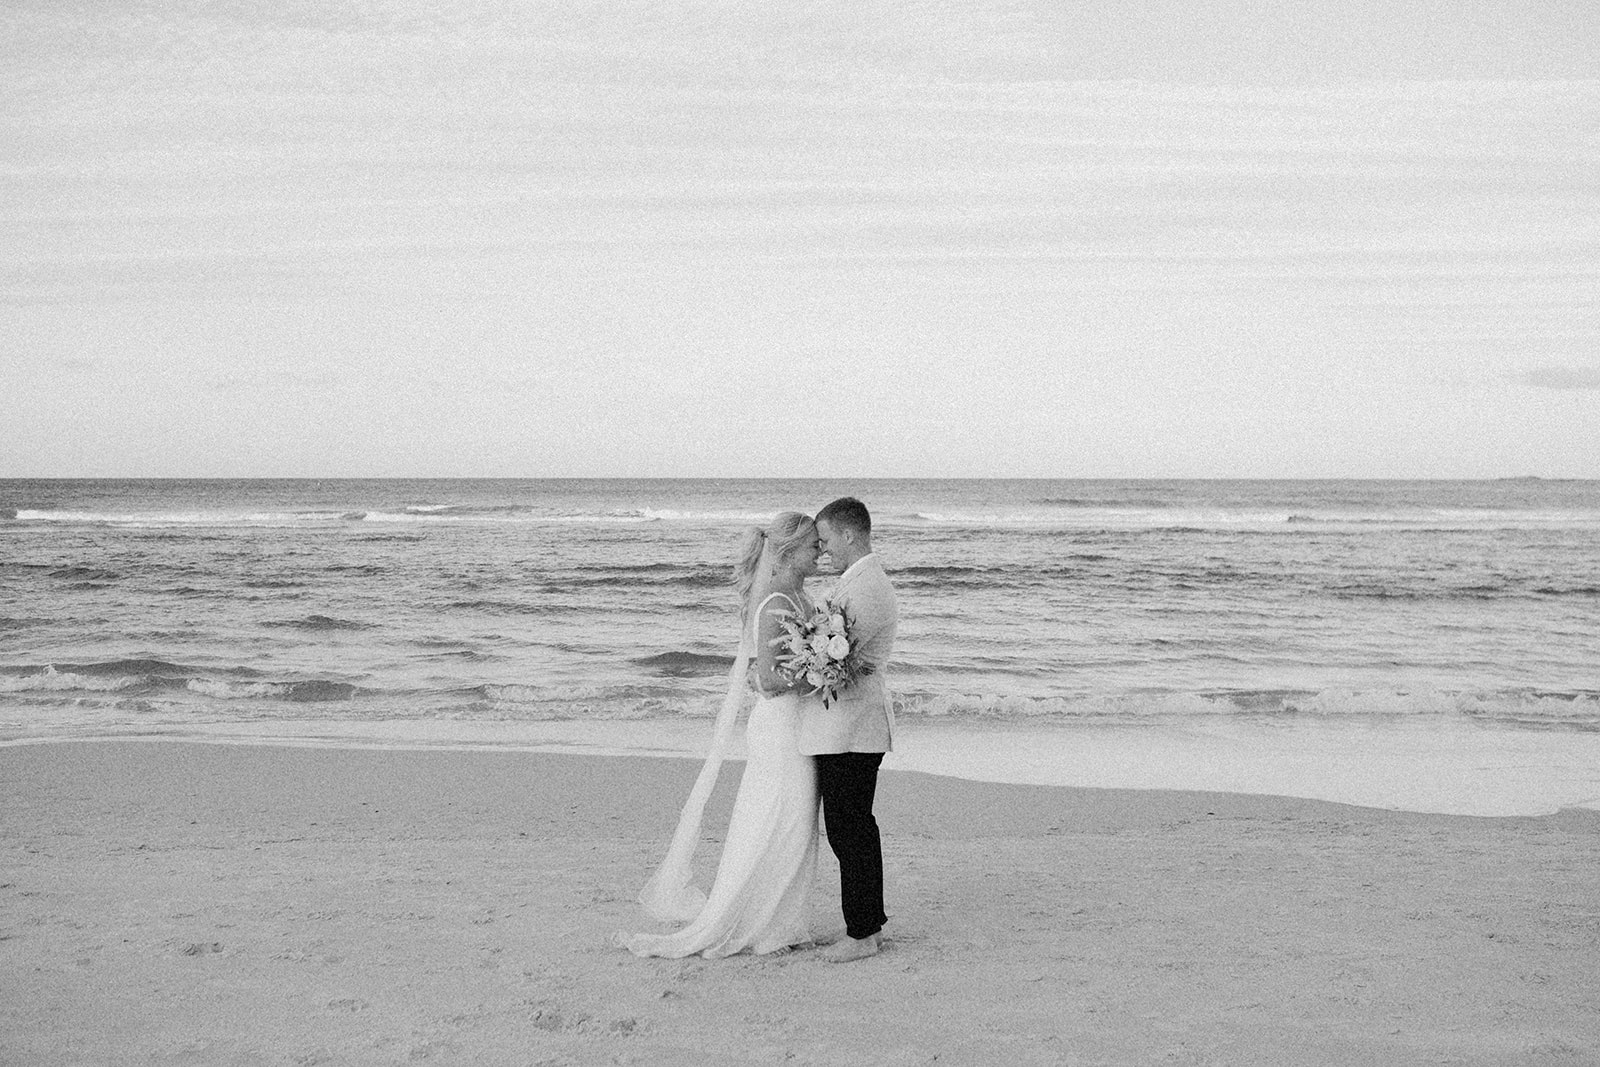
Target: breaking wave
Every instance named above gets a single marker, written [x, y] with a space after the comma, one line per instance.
[149, 676]
[1576, 710]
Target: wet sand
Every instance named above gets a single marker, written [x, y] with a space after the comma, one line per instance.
[172, 902]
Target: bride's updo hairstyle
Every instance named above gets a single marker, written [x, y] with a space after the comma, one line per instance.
[787, 534]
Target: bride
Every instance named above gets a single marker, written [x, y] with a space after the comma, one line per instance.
[759, 901]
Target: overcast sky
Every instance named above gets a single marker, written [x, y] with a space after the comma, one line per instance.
[840, 238]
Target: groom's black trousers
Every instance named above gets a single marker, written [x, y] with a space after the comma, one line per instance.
[847, 782]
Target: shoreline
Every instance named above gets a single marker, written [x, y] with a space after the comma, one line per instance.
[1395, 765]
[243, 904]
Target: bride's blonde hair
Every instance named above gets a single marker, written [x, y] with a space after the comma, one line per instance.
[783, 537]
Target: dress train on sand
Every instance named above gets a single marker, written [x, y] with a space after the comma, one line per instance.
[760, 900]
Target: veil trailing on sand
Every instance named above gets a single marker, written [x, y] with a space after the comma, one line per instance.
[668, 895]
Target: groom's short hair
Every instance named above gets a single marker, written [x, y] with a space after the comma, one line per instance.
[847, 511]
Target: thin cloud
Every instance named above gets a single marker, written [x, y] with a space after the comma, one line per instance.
[1563, 377]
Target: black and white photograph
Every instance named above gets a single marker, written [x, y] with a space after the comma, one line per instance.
[700, 533]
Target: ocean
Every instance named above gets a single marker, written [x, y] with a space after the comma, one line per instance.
[1294, 636]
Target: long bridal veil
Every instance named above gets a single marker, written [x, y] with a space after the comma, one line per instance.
[669, 895]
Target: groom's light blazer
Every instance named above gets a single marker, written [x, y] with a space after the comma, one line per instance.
[861, 718]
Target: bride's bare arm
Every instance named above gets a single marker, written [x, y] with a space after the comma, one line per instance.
[769, 679]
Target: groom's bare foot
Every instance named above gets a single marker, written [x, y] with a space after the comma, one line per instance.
[850, 949]
[830, 937]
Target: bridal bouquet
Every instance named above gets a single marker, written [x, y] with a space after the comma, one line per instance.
[821, 649]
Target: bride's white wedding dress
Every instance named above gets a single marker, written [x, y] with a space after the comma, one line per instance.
[760, 899]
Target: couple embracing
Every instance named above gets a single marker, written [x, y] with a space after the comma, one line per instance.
[803, 745]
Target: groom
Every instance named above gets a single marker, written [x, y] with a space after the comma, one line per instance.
[849, 737]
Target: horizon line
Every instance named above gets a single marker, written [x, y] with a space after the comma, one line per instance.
[780, 478]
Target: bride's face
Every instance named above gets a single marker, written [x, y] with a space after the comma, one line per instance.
[809, 555]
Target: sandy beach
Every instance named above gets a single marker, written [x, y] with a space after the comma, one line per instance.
[169, 902]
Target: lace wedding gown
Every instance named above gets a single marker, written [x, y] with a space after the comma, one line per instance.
[760, 899]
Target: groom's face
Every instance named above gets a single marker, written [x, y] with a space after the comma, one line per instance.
[834, 545]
